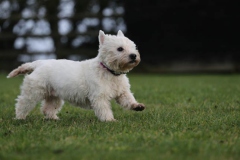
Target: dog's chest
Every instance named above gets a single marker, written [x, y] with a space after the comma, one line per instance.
[112, 88]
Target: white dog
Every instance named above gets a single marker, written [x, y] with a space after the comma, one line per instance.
[90, 84]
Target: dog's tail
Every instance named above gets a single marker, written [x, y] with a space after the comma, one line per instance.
[23, 69]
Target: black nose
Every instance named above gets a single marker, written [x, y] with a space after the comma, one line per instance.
[133, 56]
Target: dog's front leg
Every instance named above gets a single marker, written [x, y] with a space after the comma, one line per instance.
[128, 101]
[102, 109]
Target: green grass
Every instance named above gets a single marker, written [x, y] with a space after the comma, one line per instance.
[187, 117]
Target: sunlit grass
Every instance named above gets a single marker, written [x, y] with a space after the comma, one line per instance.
[187, 117]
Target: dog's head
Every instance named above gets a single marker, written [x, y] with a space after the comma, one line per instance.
[118, 53]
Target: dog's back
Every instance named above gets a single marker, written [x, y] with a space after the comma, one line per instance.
[29, 67]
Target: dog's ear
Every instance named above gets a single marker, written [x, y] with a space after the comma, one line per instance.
[101, 37]
[120, 33]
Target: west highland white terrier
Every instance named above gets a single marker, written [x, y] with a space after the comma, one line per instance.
[90, 84]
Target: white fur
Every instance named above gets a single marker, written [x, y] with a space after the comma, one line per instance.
[87, 84]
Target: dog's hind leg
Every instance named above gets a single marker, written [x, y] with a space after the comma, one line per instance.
[51, 106]
[31, 94]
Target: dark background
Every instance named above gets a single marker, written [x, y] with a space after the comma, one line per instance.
[171, 35]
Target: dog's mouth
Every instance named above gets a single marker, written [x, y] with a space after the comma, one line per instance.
[132, 61]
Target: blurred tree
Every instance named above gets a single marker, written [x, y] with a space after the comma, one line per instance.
[165, 31]
[9, 11]
[40, 29]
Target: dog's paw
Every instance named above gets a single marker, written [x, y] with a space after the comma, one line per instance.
[109, 120]
[54, 117]
[20, 117]
[138, 107]
[112, 120]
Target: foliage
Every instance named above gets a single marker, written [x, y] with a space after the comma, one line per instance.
[187, 117]
[62, 29]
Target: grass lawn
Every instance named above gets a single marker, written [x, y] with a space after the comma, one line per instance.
[191, 117]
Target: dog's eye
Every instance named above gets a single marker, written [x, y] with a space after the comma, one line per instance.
[136, 47]
[120, 49]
